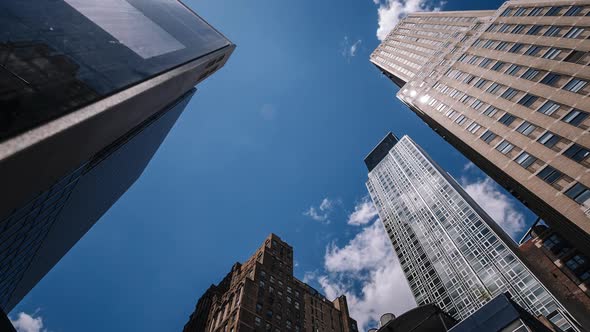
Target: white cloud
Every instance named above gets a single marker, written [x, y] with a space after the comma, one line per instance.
[498, 205]
[364, 212]
[349, 49]
[369, 264]
[391, 11]
[28, 323]
[322, 212]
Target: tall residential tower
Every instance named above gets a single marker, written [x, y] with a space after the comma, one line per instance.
[88, 92]
[263, 295]
[509, 89]
[452, 253]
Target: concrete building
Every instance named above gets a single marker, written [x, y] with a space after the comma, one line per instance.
[452, 253]
[87, 95]
[263, 295]
[509, 89]
[561, 267]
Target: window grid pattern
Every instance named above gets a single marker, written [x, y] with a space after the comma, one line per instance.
[22, 233]
[432, 226]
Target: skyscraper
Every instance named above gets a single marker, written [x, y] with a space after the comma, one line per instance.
[88, 92]
[452, 253]
[263, 295]
[508, 88]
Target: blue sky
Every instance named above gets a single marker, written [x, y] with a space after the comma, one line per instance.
[281, 129]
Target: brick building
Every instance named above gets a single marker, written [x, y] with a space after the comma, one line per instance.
[562, 268]
[263, 295]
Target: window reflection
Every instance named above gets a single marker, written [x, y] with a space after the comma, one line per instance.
[57, 56]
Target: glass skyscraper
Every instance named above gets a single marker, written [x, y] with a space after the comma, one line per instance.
[88, 92]
[452, 253]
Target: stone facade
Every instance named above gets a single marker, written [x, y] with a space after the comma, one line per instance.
[263, 295]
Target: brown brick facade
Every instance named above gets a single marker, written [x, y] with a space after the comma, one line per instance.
[262, 295]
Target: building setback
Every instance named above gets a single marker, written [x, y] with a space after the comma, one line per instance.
[263, 295]
[452, 253]
[87, 95]
[509, 89]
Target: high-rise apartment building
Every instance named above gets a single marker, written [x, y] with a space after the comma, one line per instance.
[88, 91]
[509, 89]
[263, 295]
[452, 253]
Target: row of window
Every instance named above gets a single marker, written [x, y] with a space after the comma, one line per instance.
[409, 54]
[548, 174]
[545, 52]
[560, 81]
[574, 117]
[547, 11]
[396, 68]
[401, 60]
[396, 44]
[540, 30]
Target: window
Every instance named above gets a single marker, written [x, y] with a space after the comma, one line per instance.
[576, 152]
[534, 30]
[498, 65]
[257, 321]
[258, 307]
[518, 29]
[528, 100]
[575, 262]
[520, 11]
[551, 53]
[490, 111]
[488, 136]
[553, 11]
[525, 160]
[507, 119]
[549, 174]
[578, 193]
[551, 79]
[480, 83]
[493, 88]
[573, 11]
[526, 128]
[533, 50]
[506, 12]
[575, 117]
[513, 69]
[548, 108]
[485, 62]
[548, 139]
[515, 48]
[473, 127]
[530, 74]
[575, 85]
[536, 11]
[574, 57]
[552, 31]
[574, 32]
[501, 46]
[509, 93]
[477, 104]
[504, 147]
[487, 44]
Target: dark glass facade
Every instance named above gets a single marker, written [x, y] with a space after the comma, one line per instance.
[38, 234]
[59, 55]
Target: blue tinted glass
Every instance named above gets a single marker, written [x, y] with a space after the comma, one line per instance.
[59, 55]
